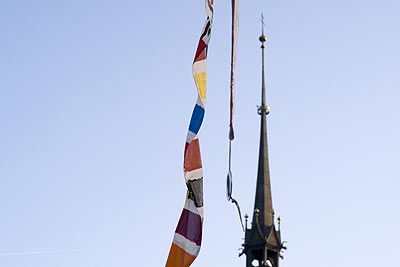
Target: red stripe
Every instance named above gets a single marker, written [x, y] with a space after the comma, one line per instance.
[192, 157]
[201, 47]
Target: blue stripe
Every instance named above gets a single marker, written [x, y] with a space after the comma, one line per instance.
[197, 119]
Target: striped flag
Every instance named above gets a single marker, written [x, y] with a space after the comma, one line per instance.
[188, 234]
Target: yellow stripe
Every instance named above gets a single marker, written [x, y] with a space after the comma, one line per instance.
[200, 80]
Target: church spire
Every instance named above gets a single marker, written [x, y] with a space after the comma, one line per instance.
[263, 200]
[263, 244]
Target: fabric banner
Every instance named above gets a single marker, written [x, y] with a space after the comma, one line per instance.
[188, 234]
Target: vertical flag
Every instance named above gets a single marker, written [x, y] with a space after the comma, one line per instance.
[235, 29]
[188, 234]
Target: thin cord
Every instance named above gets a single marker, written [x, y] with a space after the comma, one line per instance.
[240, 213]
[229, 186]
[230, 154]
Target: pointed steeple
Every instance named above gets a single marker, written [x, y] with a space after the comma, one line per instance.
[263, 200]
[263, 244]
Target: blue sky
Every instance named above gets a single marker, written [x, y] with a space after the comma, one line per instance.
[95, 101]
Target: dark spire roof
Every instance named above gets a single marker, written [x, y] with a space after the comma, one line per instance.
[263, 199]
[263, 241]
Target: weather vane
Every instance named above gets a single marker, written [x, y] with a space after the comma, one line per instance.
[262, 23]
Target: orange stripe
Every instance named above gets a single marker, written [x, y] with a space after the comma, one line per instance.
[178, 257]
[192, 159]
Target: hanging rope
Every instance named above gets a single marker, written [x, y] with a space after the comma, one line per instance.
[235, 28]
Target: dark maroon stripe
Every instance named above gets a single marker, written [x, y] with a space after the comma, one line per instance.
[200, 48]
[206, 28]
[202, 45]
[190, 226]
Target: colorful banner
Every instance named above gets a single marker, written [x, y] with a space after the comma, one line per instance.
[188, 234]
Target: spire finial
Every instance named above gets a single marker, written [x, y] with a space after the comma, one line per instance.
[264, 108]
[262, 38]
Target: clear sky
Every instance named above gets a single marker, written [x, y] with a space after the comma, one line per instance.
[95, 101]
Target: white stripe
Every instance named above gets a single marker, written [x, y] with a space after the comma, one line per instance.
[199, 67]
[188, 246]
[194, 175]
[209, 3]
[189, 205]
[190, 137]
[201, 103]
[201, 212]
